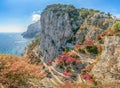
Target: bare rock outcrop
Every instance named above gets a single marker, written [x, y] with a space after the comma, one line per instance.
[58, 24]
[108, 67]
[33, 30]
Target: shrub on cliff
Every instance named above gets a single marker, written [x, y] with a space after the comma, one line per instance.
[92, 49]
[116, 27]
[69, 63]
[32, 50]
[84, 14]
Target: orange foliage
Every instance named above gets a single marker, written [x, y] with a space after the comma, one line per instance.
[88, 85]
[15, 70]
[77, 85]
[67, 85]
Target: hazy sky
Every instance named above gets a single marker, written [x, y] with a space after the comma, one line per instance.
[16, 15]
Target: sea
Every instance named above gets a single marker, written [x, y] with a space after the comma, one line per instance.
[13, 43]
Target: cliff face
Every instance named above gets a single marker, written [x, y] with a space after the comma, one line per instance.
[92, 26]
[84, 35]
[63, 26]
[108, 67]
[33, 30]
[58, 23]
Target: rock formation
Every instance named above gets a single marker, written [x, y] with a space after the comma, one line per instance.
[108, 67]
[33, 30]
[60, 25]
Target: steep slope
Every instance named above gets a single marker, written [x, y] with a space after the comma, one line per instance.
[77, 46]
[32, 51]
[58, 23]
[107, 69]
[32, 30]
[63, 26]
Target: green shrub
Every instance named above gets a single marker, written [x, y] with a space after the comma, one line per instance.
[92, 49]
[97, 11]
[102, 12]
[81, 50]
[116, 27]
[71, 40]
[84, 14]
[109, 14]
[66, 49]
[100, 40]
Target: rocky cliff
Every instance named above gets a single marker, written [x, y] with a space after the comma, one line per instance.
[108, 67]
[63, 26]
[32, 30]
[91, 44]
[58, 24]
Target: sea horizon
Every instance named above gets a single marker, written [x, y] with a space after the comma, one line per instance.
[13, 43]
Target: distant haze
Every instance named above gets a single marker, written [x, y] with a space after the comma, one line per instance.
[12, 28]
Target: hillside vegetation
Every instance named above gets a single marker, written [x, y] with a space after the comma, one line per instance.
[80, 46]
[16, 72]
[77, 48]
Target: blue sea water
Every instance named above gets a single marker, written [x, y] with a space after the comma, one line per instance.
[13, 43]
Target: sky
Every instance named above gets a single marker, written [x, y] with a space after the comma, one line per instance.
[16, 15]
